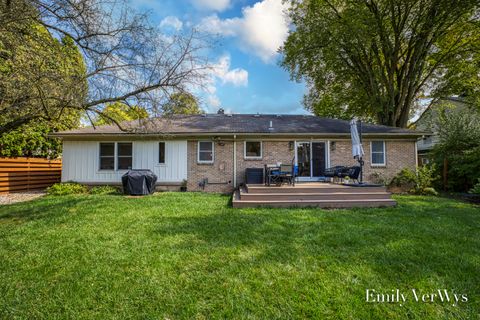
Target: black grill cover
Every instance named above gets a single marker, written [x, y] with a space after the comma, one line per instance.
[139, 182]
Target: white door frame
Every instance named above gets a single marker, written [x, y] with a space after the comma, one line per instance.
[327, 157]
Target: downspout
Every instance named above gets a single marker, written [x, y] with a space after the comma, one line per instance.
[416, 154]
[234, 161]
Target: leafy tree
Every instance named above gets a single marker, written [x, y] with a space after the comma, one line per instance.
[30, 70]
[126, 59]
[459, 144]
[376, 58]
[118, 112]
[39, 76]
[182, 103]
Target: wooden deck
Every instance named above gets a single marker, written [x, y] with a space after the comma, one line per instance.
[312, 194]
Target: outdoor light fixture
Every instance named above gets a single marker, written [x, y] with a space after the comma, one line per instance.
[290, 145]
[333, 145]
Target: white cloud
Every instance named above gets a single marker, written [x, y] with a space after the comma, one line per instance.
[220, 74]
[262, 29]
[237, 77]
[216, 5]
[171, 22]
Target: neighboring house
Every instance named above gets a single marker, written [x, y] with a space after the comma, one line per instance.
[426, 123]
[212, 151]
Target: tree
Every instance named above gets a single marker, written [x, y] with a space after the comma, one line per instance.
[375, 58]
[37, 67]
[127, 60]
[118, 112]
[182, 103]
[37, 72]
[458, 145]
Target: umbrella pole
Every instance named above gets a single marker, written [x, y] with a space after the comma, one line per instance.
[360, 159]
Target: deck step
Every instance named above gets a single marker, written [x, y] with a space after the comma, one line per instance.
[314, 196]
[370, 203]
[305, 188]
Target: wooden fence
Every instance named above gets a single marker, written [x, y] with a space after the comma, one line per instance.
[23, 174]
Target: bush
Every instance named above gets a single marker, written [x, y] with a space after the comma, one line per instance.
[476, 188]
[104, 190]
[459, 147]
[419, 182]
[405, 178]
[62, 189]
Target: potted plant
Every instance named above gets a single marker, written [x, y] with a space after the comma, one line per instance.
[183, 186]
[346, 180]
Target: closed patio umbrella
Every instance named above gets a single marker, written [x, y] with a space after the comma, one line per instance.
[357, 148]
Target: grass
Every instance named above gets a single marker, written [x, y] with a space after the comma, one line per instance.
[189, 255]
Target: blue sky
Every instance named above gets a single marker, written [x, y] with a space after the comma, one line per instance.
[247, 77]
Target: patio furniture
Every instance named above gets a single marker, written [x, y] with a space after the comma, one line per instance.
[351, 172]
[340, 172]
[334, 172]
[280, 174]
[272, 174]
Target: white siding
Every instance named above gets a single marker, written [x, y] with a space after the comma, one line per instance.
[81, 161]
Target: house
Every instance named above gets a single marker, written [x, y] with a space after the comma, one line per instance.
[426, 122]
[212, 151]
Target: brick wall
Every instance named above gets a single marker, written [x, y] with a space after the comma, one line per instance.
[399, 154]
[219, 173]
[273, 152]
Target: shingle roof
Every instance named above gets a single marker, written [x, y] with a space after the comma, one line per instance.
[238, 124]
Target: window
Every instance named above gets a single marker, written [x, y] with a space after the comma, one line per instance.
[378, 153]
[107, 156]
[161, 152]
[205, 151]
[253, 150]
[124, 157]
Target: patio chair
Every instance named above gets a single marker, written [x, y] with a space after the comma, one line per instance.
[334, 172]
[287, 173]
[351, 172]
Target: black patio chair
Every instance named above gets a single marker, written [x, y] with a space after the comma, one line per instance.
[334, 172]
[351, 172]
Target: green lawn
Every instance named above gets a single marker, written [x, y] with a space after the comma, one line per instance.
[190, 255]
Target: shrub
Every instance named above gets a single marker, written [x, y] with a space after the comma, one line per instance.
[104, 190]
[379, 178]
[425, 177]
[62, 189]
[459, 147]
[476, 188]
[419, 182]
[403, 182]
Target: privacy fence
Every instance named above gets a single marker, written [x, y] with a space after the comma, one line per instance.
[23, 174]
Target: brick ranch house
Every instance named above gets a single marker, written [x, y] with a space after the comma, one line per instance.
[212, 151]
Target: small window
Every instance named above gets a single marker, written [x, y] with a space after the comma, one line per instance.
[253, 149]
[107, 156]
[205, 151]
[161, 152]
[378, 153]
[124, 158]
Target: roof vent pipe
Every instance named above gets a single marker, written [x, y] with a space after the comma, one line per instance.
[271, 125]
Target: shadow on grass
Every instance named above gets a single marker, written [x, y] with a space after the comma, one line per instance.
[43, 208]
[420, 239]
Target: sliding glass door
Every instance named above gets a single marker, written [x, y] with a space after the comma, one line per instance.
[311, 159]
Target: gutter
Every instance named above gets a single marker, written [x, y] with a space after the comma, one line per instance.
[247, 134]
[234, 161]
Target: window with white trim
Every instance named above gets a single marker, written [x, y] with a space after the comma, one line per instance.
[161, 152]
[205, 152]
[377, 153]
[253, 150]
[107, 156]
